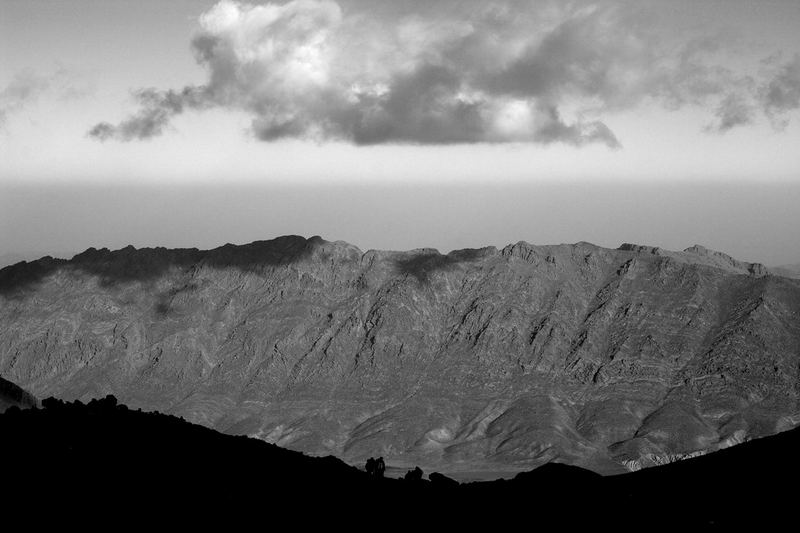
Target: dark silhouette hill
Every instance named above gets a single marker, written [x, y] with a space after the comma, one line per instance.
[491, 360]
[101, 460]
[11, 394]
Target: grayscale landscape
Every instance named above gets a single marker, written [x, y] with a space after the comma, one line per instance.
[378, 259]
[485, 359]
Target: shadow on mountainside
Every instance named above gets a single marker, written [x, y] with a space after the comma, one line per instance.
[423, 264]
[130, 264]
[103, 457]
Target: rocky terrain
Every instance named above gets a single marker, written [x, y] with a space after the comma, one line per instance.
[479, 360]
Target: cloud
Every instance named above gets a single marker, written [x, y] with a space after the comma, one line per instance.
[157, 109]
[485, 73]
[734, 110]
[28, 86]
[24, 88]
[782, 93]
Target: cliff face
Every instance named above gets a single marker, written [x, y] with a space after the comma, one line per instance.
[477, 360]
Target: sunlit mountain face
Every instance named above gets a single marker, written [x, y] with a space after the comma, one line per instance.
[479, 360]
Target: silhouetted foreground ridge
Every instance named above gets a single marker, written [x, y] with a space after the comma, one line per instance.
[12, 394]
[104, 456]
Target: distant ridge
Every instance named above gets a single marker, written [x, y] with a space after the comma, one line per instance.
[789, 271]
[485, 360]
[132, 263]
[702, 256]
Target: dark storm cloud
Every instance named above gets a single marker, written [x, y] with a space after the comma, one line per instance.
[493, 73]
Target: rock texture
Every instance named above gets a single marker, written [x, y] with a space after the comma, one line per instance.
[480, 359]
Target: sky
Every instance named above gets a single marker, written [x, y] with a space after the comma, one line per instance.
[400, 124]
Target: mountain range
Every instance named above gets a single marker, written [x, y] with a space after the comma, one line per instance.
[789, 271]
[480, 362]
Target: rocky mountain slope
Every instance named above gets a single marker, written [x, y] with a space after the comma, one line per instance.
[482, 359]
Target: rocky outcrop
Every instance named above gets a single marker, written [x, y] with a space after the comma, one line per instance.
[477, 359]
[724, 261]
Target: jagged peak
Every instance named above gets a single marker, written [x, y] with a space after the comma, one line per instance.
[700, 255]
[640, 248]
[521, 249]
[724, 260]
[131, 263]
[699, 249]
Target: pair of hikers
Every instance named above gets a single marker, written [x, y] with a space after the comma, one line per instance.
[375, 467]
